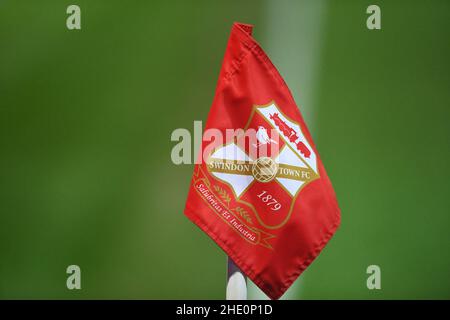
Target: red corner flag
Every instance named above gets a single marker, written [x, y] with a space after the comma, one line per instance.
[261, 192]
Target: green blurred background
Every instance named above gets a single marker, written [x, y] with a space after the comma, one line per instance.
[86, 116]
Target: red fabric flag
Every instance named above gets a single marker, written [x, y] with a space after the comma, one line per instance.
[261, 194]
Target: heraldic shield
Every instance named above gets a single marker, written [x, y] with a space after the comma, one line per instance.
[258, 174]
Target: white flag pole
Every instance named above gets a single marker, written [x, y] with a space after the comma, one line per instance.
[236, 282]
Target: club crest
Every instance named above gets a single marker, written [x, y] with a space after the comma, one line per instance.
[261, 172]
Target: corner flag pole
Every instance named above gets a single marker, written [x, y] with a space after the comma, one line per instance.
[236, 283]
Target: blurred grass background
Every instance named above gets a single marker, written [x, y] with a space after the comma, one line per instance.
[86, 118]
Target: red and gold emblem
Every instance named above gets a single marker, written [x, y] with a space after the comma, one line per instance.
[253, 180]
